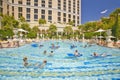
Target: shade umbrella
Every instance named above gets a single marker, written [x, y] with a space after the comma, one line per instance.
[100, 30]
[22, 30]
[111, 37]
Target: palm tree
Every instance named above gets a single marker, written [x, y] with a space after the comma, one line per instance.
[68, 31]
[52, 30]
[42, 22]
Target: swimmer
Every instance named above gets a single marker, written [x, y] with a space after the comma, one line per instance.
[45, 52]
[41, 65]
[25, 62]
[51, 54]
[95, 54]
[76, 53]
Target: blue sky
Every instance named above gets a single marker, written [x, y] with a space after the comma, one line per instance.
[91, 9]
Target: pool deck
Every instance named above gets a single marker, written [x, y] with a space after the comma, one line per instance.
[14, 44]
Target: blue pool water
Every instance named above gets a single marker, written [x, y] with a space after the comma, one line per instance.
[60, 66]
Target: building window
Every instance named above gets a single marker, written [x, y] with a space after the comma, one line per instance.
[35, 2]
[36, 11]
[35, 17]
[28, 16]
[19, 15]
[64, 20]
[59, 4]
[73, 16]
[69, 20]
[59, 13]
[74, 22]
[64, 5]
[19, 1]
[59, 19]
[43, 16]
[28, 2]
[12, 14]
[12, 8]
[8, 9]
[43, 3]
[78, 22]
[50, 12]
[78, 17]
[49, 18]
[50, 4]
[69, 6]
[64, 14]
[19, 12]
[28, 10]
[0, 3]
[69, 15]
[19, 9]
[42, 11]
[69, 10]
[59, 7]
[12, 1]
[74, 6]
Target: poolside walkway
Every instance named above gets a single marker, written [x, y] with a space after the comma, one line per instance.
[14, 44]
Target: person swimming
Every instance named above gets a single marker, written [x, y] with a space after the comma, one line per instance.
[41, 65]
[95, 54]
[25, 61]
[76, 53]
[45, 52]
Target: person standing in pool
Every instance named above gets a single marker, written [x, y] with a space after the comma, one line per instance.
[51, 53]
[45, 52]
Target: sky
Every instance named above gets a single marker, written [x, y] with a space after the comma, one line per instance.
[93, 10]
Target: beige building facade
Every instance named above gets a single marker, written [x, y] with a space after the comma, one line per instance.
[53, 11]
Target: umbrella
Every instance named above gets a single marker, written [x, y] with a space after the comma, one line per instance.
[22, 30]
[100, 30]
[111, 36]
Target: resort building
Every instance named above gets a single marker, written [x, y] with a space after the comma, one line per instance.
[53, 11]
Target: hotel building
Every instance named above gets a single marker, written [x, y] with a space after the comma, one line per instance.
[53, 11]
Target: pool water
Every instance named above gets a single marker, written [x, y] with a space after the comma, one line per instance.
[60, 66]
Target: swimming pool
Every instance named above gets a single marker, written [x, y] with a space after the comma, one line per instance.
[60, 66]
